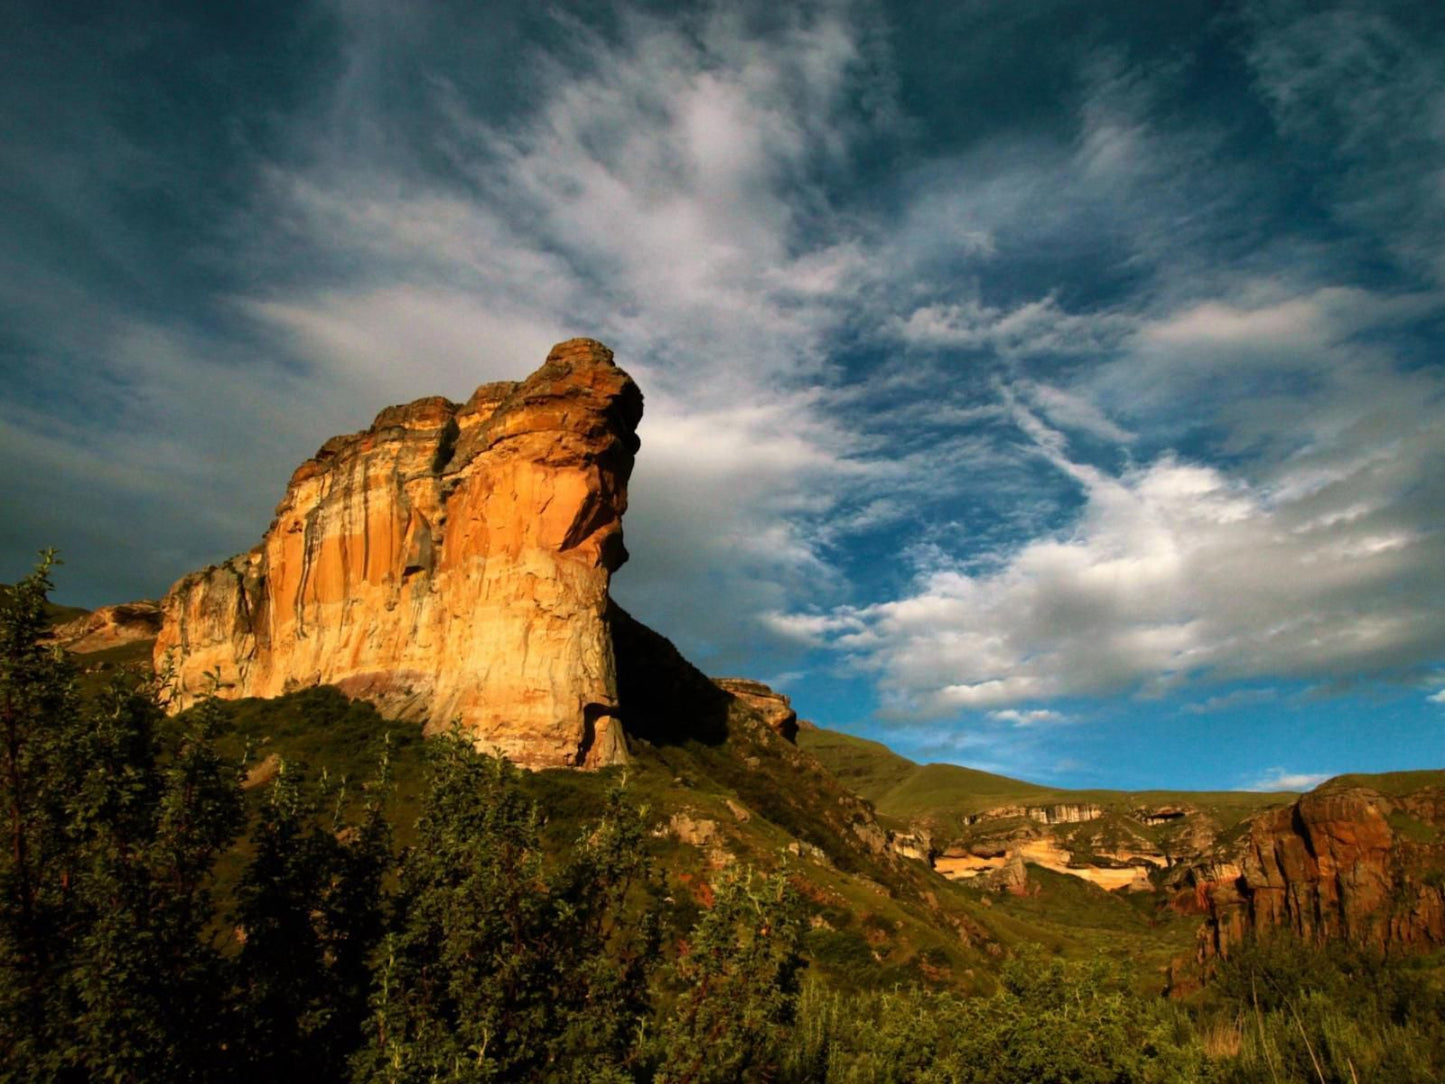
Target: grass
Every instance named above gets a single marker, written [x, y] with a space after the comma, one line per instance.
[1410, 827]
[948, 794]
[869, 768]
[1390, 784]
[876, 920]
[785, 794]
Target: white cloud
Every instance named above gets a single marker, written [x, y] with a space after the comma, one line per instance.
[1031, 717]
[1295, 324]
[1036, 327]
[394, 341]
[1069, 410]
[1239, 698]
[1438, 698]
[1279, 779]
[1267, 321]
[1314, 561]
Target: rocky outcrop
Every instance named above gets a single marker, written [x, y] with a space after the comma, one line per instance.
[1342, 862]
[1062, 813]
[450, 563]
[916, 844]
[775, 708]
[110, 626]
[985, 859]
[1154, 816]
[1011, 877]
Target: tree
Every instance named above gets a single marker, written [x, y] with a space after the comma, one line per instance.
[498, 967]
[151, 821]
[105, 887]
[740, 975]
[37, 688]
[309, 911]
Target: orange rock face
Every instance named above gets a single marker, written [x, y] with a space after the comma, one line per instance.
[1332, 866]
[451, 564]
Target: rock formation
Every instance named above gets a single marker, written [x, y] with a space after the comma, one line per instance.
[110, 626]
[451, 564]
[774, 707]
[1064, 813]
[1344, 861]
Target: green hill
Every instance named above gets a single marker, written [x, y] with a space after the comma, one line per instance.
[948, 795]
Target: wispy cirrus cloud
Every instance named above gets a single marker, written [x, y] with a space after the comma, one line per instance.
[1364, 86]
[1310, 564]
[664, 192]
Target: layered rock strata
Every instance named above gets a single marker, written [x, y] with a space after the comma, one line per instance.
[451, 564]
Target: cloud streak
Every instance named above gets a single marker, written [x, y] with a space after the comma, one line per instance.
[1175, 572]
[1277, 779]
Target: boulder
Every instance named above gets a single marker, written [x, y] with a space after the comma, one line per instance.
[110, 626]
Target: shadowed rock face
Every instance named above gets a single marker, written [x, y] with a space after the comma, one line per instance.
[774, 707]
[451, 564]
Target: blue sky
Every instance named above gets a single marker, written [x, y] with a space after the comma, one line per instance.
[1054, 388]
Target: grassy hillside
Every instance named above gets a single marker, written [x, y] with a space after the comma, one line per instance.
[869, 768]
[722, 789]
[742, 800]
[1393, 784]
[947, 794]
[749, 798]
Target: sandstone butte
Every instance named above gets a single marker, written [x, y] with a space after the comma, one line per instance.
[451, 564]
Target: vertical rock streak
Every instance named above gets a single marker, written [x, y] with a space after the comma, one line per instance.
[451, 563]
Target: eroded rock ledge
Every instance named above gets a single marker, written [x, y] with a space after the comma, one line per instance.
[451, 564]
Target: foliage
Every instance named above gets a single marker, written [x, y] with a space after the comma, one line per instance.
[500, 947]
[1048, 1022]
[105, 889]
[309, 911]
[1333, 1012]
[496, 967]
[740, 973]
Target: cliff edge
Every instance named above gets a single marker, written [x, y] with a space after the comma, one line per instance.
[451, 564]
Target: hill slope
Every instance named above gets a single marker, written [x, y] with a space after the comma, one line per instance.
[912, 872]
